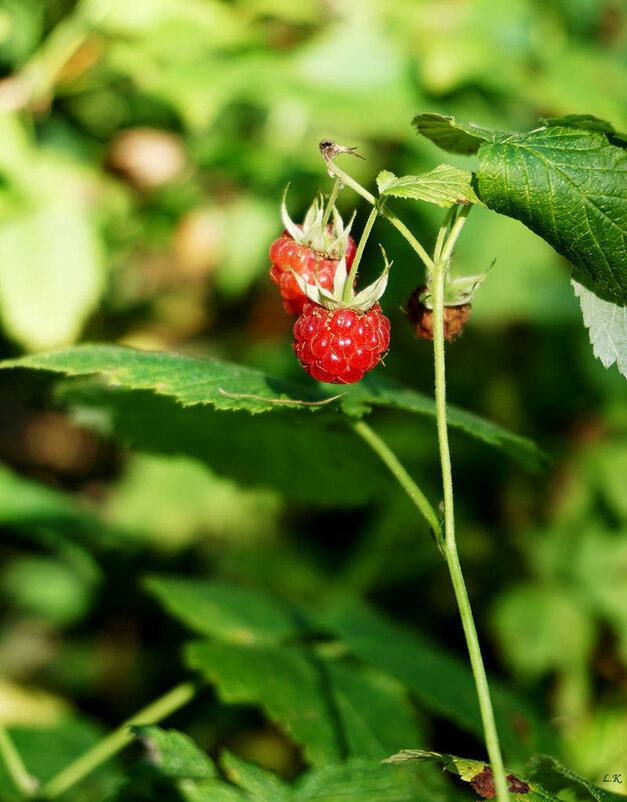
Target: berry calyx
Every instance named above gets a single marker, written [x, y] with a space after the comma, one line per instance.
[311, 251]
[340, 345]
[421, 317]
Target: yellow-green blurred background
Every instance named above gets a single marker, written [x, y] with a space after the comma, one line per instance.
[144, 149]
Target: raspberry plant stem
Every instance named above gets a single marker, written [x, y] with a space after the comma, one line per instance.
[390, 216]
[443, 252]
[358, 253]
[117, 740]
[22, 780]
[331, 203]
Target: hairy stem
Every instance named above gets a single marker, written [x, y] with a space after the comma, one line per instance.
[358, 254]
[22, 780]
[331, 202]
[450, 544]
[117, 740]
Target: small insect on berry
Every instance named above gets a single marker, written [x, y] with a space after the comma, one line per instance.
[340, 345]
[421, 317]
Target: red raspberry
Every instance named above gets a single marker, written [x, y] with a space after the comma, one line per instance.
[341, 345]
[286, 253]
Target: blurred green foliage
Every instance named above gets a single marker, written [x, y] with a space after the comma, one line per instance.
[144, 149]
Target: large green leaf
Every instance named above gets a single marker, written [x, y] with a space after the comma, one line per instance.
[570, 187]
[232, 387]
[226, 611]
[190, 381]
[377, 391]
[439, 680]
[303, 457]
[566, 181]
[332, 710]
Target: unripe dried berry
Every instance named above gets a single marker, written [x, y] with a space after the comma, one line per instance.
[421, 317]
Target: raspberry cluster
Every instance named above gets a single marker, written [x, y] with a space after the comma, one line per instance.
[336, 340]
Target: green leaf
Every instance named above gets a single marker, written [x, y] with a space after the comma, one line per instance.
[440, 681]
[332, 710]
[379, 391]
[226, 386]
[555, 778]
[226, 611]
[51, 275]
[304, 457]
[569, 186]
[259, 783]
[445, 186]
[451, 134]
[566, 182]
[286, 683]
[585, 122]
[479, 775]
[360, 781]
[543, 628]
[607, 327]
[172, 754]
[191, 381]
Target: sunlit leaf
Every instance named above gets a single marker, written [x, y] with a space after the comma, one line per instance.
[445, 186]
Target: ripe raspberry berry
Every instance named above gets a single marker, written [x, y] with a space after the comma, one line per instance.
[310, 251]
[340, 345]
[421, 317]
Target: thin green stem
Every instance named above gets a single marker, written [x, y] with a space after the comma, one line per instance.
[398, 471]
[390, 216]
[358, 254]
[450, 544]
[331, 202]
[439, 243]
[22, 780]
[456, 230]
[117, 740]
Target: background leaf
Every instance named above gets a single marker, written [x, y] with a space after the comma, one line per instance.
[45, 301]
[556, 778]
[331, 710]
[172, 754]
[226, 611]
[438, 680]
